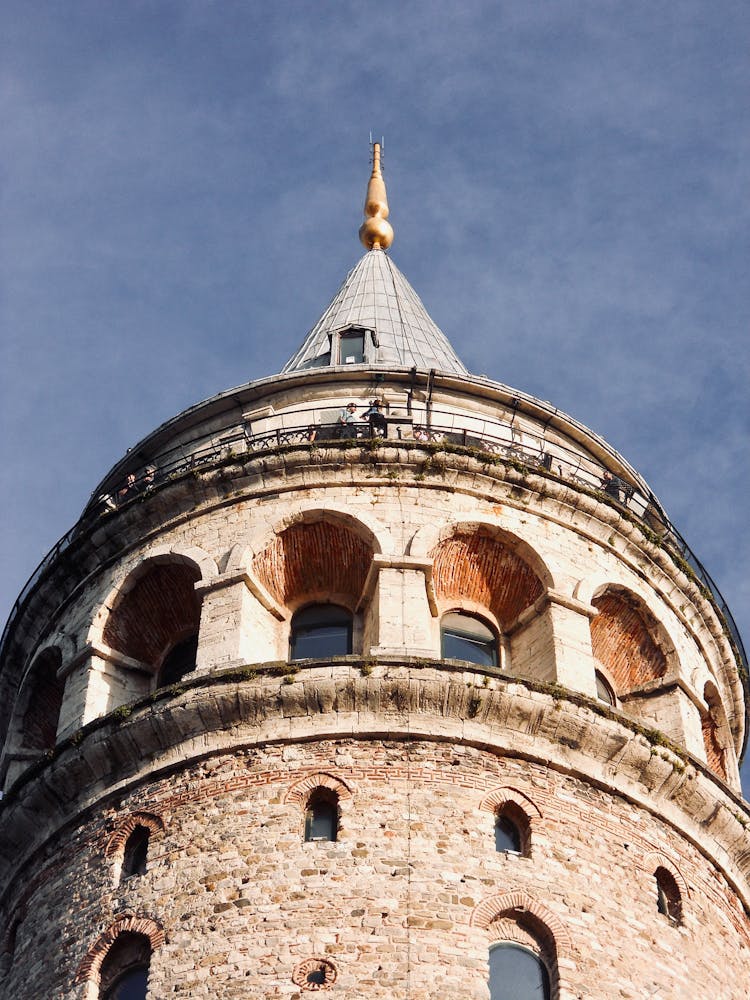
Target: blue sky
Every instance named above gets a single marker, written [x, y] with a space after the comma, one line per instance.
[182, 185]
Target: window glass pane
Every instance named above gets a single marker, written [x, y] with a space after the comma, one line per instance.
[603, 690]
[507, 837]
[352, 347]
[132, 986]
[327, 640]
[321, 821]
[467, 638]
[321, 630]
[517, 974]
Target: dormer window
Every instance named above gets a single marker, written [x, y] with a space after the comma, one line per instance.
[352, 346]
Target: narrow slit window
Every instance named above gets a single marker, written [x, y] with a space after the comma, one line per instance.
[322, 817]
[135, 855]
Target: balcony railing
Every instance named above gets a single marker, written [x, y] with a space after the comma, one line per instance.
[489, 440]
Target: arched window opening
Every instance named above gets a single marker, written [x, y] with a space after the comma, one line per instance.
[668, 899]
[507, 836]
[43, 694]
[319, 631]
[604, 692]
[512, 830]
[135, 855]
[624, 641]
[156, 613]
[124, 971]
[465, 637]
[322, 816]
[178, 662]
[516, 973]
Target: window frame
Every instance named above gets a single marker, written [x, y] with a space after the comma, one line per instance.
[490, 643]
[346, 622]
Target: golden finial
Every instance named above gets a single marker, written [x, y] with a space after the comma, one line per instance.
[375, 232]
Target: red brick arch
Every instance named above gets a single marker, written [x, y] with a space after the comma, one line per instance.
[157, 607]
[474, 565]
[519, 906]
[117, 841]
[300, 791]
[89, 968]
[319, 559]
[498, 797]
[622, 639]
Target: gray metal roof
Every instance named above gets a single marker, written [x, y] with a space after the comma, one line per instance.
[376, 296]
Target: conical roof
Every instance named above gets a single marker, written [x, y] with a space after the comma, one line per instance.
[376, 297]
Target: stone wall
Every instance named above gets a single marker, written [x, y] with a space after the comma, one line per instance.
[401, 905]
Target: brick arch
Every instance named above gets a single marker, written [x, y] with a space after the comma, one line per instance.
[499, 797]
[715, 731]
[623, 640]
[481, 567]
[301, 790]
[155, 607]
[655, 859]
[315, 559]
[117, 841]
[89, 968]
[39, 702]
[429, 536]
[519, 906]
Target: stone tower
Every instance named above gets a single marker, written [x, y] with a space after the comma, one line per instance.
[377, 678]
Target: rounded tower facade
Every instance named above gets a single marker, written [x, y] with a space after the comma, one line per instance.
[375, 678]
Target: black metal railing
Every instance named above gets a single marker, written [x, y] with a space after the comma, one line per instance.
[490, 441]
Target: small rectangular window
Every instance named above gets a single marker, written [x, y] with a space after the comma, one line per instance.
[352, 347]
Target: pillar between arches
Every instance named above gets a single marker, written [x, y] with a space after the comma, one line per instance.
[551, 642]
[239, 622]
[399, 612]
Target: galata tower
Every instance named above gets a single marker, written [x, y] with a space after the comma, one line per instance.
[379, 678]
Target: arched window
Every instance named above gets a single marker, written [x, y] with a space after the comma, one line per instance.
[180, 660]
[320, 630]
[322, 815]
[124, 971]
[668, 898]
[465, 637]
[135, 855]
[512, 830]
[604, 690]
[516, 973]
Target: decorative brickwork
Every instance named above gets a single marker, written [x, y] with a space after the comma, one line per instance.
[314, 974]
[475, 567]
[117, 841]
[301, 790]
[310, 560]
[160, 609]
[499, 797]
[622, 641]
[126, 923]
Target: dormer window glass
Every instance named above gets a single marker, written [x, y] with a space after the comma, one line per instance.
[352, 346]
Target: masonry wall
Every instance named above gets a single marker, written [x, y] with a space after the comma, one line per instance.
[392, 904]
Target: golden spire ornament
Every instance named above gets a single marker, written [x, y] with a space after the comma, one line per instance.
[376, 233]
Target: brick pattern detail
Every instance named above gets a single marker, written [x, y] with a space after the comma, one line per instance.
[474, 566]
[500, 797]
[316, 559]
[305, 970]
[161, 609]
[45, 695]
[117, 841]
[622, 642]
[90, 966]
[714, 751]
[544, 925]
[301, 790]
